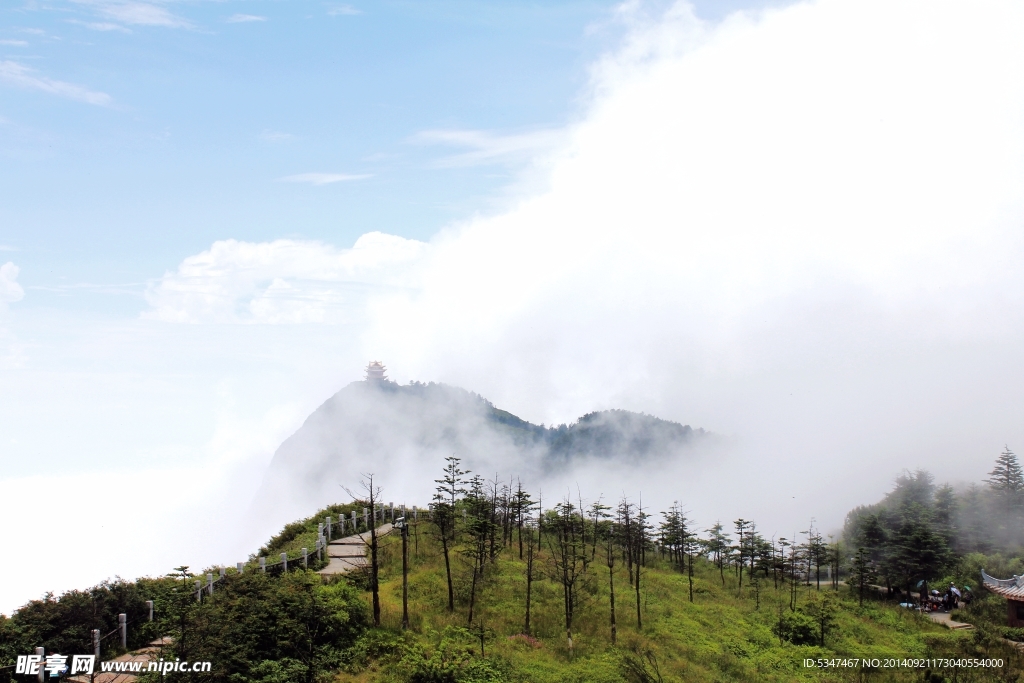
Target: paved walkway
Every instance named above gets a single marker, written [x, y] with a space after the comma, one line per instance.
[150, 653]
[349, 553]
[946, 619]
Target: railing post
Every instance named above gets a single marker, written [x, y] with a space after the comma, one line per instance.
[96, 646]
[41, 674]
[263, 564]
[199, 590]
[305, 559]
[366, 519]
[328, 529]
[240, 567]
[355, 523]
[415, 513]
[284, 562]
[122, 624]
[209, 583]
[149, 604]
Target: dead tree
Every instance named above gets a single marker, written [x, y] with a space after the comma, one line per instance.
[373, 495]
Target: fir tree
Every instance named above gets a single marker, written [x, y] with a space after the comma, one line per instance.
[1007, 477]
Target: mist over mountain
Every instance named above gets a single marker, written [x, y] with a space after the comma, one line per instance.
[402, 433]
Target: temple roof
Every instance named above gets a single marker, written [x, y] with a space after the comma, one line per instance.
[1012, 589]
[375, 370]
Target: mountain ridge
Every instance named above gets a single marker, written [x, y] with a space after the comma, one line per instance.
[401, 429]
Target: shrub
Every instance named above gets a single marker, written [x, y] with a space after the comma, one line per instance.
[797, 628]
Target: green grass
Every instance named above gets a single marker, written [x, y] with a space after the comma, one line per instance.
[721, 636]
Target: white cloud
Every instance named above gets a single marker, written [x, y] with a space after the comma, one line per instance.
[136, 13]
[343, 11]
[800, 228]
[10, 290]
[323, 178]
[244, 18]
[14, 43]
[491, 148]
[219, 487]
[275, 136]
[285, 281]
[101, 25]
[17, 74]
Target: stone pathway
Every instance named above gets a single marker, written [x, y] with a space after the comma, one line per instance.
[150, 653]
[946, 619]
[349, 553]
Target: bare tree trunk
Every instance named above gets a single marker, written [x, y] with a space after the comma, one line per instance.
[519, 518]
[628, 531]
[741, 561]
[374, 567]
[405, 576]
[472, 594]
[540, 518]
[611, 585]
[689, 573]
[478, 568]
[448, 572]
[529, 580]
[639, 621]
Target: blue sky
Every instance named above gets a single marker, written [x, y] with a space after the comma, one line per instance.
[134, 134]
[798, 228]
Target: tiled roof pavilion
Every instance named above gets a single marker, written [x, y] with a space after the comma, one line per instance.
[1013, 591]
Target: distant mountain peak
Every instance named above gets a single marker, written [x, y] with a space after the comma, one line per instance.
[407, 430]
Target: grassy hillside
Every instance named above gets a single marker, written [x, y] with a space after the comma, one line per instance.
[267, 628]
[725, 634]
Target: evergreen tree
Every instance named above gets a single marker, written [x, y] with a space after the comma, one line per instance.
[446, 497]
[568, 552]
[944, 513]
[862, 572]
[1006, 478]
[717, 546]
[479, 528]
